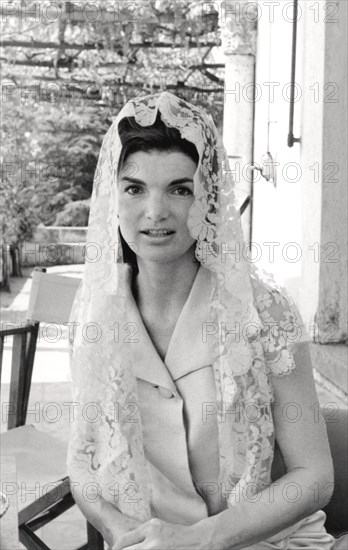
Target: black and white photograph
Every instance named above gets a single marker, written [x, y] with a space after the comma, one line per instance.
[173, 275]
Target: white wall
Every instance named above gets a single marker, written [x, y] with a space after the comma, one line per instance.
[312, 211]
[277, 207]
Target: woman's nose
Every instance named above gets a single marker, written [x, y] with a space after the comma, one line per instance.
[156, 208]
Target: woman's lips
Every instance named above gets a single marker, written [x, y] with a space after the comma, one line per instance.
[157, 232]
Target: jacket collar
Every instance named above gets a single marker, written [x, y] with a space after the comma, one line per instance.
[187, 350]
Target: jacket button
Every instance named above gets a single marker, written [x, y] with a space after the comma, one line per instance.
[165, 392]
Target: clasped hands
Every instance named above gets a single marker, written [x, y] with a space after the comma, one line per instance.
[159, 535]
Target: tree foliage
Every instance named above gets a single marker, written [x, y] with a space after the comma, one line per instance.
[49, 155]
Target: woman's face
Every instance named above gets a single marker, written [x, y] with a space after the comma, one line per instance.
[155, 195]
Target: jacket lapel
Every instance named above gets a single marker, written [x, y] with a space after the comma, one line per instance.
[189, 348]
[147, 363]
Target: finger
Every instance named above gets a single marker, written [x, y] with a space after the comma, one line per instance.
[134, 546]
[128, 539]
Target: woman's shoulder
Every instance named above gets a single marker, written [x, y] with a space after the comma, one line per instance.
[282, 328]
[270, 298]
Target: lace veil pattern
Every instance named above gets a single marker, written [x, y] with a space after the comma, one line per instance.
[258, 328]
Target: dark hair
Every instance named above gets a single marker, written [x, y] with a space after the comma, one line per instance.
[157, 137]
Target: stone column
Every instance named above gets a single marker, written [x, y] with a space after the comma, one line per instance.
[324, 158]
[323, 297]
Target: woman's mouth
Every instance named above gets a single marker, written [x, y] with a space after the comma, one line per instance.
[158, 232]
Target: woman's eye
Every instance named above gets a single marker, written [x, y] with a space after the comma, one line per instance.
[183, 191]
[132, 190]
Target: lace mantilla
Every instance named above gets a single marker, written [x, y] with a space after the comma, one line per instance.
[105, 452]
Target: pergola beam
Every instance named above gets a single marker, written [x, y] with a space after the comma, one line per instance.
[113, 86]
[68, 63]
[36, 44]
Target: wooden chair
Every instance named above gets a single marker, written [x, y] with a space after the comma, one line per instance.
[40, 458]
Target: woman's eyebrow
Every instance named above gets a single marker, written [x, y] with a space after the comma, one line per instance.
[177, 181]
[132, 180]
[181, 180]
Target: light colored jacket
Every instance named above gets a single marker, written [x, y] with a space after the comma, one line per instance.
[175, 398]
[177, 401]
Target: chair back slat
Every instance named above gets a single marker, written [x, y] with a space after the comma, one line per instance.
[51, 297]
[29, 364]
[19, 350]
[23, 347]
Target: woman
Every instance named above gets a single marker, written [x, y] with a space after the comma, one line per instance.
[186, 365]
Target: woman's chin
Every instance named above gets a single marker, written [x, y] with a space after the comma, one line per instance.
[165, 257]
[158, 258]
